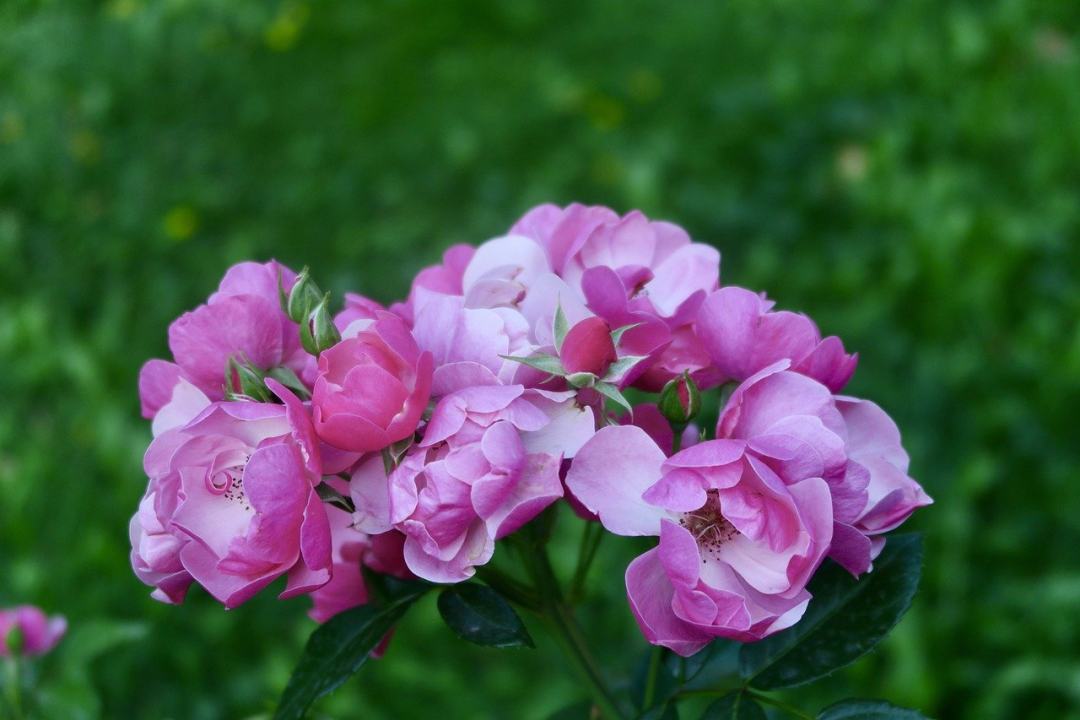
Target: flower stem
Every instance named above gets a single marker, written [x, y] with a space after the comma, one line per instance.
[567, 631]
[590, 543]
[12, 680]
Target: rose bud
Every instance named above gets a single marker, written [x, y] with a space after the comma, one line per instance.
[588, 348]
[26, 630]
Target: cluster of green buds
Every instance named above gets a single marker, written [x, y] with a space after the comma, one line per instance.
[246, 381]
[309, 307]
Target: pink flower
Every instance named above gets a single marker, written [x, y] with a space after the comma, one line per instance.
[468, 345]
[40, 633]
[357, 307]
[743, 520]
[488, 463]
[737, 545]
[889, 497]
[232, 504]
[743, 335]
[352, 551]
[242, 320]
[372, 387]
[658, 268]
[445, 278]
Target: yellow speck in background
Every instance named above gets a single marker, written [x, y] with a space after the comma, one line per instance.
[851, 163]
[181, 222]
[122, 9]
[282, 32]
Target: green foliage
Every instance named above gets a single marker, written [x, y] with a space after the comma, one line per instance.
[844, 621]
[734, 706]
[337, 649]
[904, 172]
[867, 710]
[480, 615]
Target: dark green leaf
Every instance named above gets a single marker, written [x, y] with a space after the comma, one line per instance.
[480, 615]
[868, 710]
[734, 706]
[667, 711]
[337, 649]
[715, 667]
[846, 618]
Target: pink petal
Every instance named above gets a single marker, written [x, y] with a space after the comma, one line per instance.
[611, 472]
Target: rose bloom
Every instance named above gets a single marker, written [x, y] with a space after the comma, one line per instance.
[242, 320]
[372, 386]
[743, 335]
[487, 464]
[231, 504]
[40, 633]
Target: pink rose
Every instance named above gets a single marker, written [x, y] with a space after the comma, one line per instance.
[468, 345]
[40, 633]
[889, 495]
[488, 463]
[372, 387]
[232, 504]
[743, 335]
[357, 307]
[659, 270]
[445, 278]
[242, 320]
[743, 520]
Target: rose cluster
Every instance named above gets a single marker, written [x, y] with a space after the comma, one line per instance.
[409, 439]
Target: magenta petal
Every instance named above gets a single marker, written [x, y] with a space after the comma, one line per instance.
[650, 593]
[157, 378]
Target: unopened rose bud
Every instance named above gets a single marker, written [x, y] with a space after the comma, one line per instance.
[303, 298]
[323, 331]
[680, 400]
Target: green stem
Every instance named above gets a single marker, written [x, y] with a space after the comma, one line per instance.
[12, 678]
[650, 680]
[590, 543]
[778, 704]
[567, 631]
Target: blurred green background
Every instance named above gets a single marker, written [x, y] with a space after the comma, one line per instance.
[906, 172]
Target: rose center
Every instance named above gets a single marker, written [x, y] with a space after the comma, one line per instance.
[708, 526]
[230, 483]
